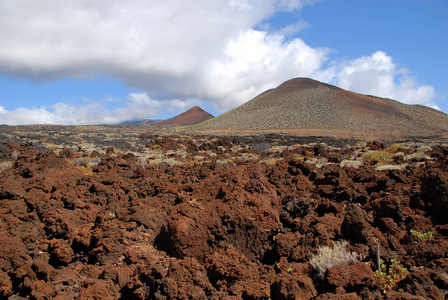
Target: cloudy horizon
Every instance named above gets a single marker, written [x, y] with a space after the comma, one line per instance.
[172, 55]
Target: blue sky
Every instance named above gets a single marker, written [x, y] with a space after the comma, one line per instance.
[84, 62]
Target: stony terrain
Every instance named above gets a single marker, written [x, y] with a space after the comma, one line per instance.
[123, 213]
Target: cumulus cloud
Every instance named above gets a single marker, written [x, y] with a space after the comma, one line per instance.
[378, 75]
[182, 52]
[256, 61]
[137, 106]
[181, 105]
[75, 38]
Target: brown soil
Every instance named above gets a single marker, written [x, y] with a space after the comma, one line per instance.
[303, 104]
[121, 214]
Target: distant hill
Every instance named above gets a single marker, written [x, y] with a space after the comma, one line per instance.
[139, 122]
[192, 116]
[147, 121]
[305, 106]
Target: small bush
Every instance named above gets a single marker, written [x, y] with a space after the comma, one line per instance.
[170, 161]
[5, 165]
[423, 236]
[378, 157]
[84, 169]
[396, 147]
[328, 257]
[417, 156]
[387, 278]
[390, 167]
[361, 144]
[424, 148]
[351, 163]
[86, 161]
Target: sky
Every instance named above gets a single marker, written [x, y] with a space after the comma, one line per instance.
[79, 62]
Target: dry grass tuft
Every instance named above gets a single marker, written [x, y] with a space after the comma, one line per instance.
[5, 165]
[327, 257]
[378, 157]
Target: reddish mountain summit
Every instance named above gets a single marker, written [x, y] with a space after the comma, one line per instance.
[192, 116]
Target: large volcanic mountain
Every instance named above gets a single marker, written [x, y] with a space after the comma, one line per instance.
[192, 116]
[306, 106]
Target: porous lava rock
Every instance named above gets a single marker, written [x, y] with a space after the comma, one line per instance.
[212, 218]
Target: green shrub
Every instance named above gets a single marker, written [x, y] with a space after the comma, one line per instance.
[387, 278]
[396, 147]
[423, 236]
[328, 257]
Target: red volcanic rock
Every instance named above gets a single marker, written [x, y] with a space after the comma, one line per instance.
[349, 275]
[213, 219]
[293, 286]
[435, 187]
[188, 280]
[232, 273]
[61, 252]
[5, 285]
[192, 116]
[43, 269]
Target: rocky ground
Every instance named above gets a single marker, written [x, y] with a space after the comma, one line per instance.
[120, 213]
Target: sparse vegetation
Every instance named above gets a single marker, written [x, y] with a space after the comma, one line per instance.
[318, 161]
[351, 163]
[271, 161]
[423, 236]
[85, 169]
[360, 144]
[424, 148]
[15, 154]
[378, 157]
[388, 277]
[4, 165]
[85, 161]
[170, 161]
[417, 156]
[328, 257]
[396, 147]
[390, 167]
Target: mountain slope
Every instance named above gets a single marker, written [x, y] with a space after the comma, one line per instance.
[192, 116]
[306, 104]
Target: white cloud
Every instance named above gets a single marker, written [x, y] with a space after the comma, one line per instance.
[294, 28]
[378, 75]
[81, 38]
[256, 61]
[182, 52]
[23, 116]
[181, 105]
[296, 4]
[109, 98]
[137, 106]
[140, 99]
